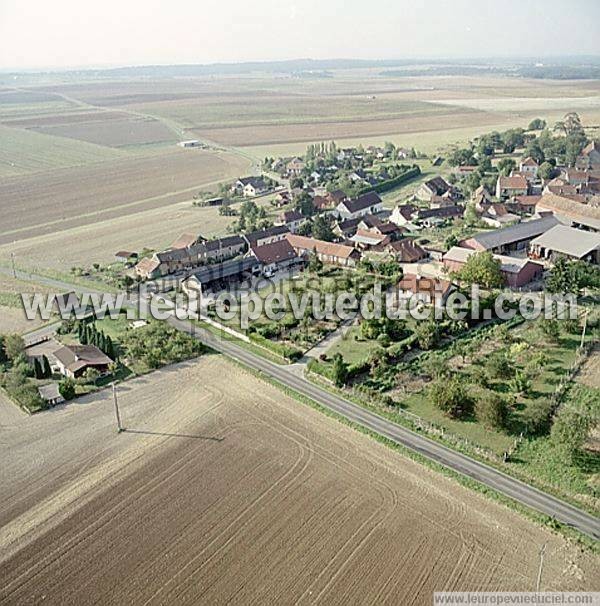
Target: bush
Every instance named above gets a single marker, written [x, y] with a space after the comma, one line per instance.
[498, 366]
[492, 410]
[67, 388]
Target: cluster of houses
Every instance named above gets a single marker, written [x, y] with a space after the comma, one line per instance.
[534, 222]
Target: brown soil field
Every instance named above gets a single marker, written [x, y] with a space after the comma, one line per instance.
[227, 491]
[282, 133]
[113, 133]
[69, 118]
[61, 199]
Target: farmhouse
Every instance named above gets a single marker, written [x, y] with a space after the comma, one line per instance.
[295, 167]
[224, 248]
[250, 187]
[327, 252]
[366, 204]
[516, 185]
[513, 238]
[433, 216]
[589, 157]
[292, 219]
[437, 186]
[266, 236]
[528, 167]
[496, 215]
[427, 290]
[515, 271]
[564, 241]
[402, 214]
[74, 360]
[275, 256]
[403, 251]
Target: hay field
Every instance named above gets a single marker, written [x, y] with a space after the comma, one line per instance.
[234, 493]
[62, 199]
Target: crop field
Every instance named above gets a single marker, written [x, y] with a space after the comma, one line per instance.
[113, 133]
[51, 202]
[23, 152]
[226, 490]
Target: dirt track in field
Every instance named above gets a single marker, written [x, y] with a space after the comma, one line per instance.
[54, 201]
[255, 498]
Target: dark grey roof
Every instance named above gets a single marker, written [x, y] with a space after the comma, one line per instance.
[257, 182]
[438, 185]
[225, 242]
[443, 212]
[209, 273]
[515, 233]
[254, 236]
[365, 201]
[276, 252]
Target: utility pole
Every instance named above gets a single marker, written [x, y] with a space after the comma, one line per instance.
[119, 426]
[539, 578]
[12, 258]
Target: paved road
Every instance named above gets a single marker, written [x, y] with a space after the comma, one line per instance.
[511, 487]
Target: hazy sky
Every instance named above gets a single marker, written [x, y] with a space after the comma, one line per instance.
[62, 33]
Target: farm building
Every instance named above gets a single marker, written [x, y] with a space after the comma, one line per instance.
[403, 214]
[570, 212]
[515, 237]
[125, 256]
[589, 157]
[367, 204]
[564, 241]
[74, 360]
[365, 239]
[295, 167]
[221, 274]
[327, 252]
[517, 272]
[431, 217]
[190, 143]
[50, 394]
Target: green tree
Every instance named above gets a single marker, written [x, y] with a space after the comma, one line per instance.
[483, 269]
[315, 265]
[46, 367]
[506, 166]
[37, 369]
[537, 124]
[427, 334]
[492, 410]
[546, 170]
[14, 346]
[520, 383]
[449, 394]
[340, 370]
[322, 229]
[562, 278]
[550, 328]
[66, 388]
[498, 366]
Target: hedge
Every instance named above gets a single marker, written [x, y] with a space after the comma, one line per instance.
[384, 186]
[285, 351]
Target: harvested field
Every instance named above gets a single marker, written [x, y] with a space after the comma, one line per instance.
[97, 242]
[49, 202]
[69, 118]
[114, 133]
[233, 493]
[13, 320]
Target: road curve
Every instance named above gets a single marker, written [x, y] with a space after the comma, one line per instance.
[502, 483]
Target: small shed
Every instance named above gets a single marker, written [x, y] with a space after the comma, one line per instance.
[50, 394]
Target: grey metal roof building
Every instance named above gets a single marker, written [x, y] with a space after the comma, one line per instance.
[567, 241]
[511, 237]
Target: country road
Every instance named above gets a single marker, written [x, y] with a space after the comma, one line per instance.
[495, 479]
[502, 483]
